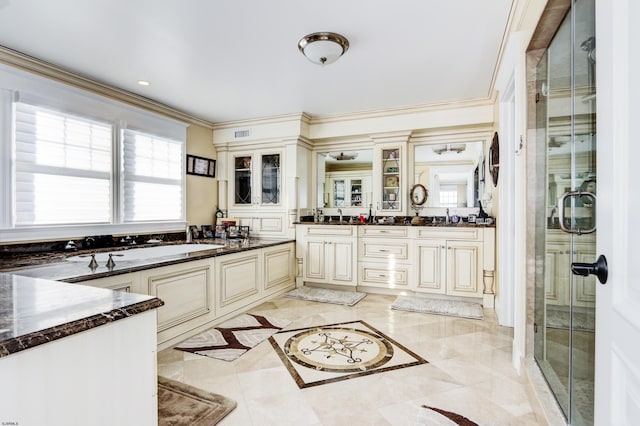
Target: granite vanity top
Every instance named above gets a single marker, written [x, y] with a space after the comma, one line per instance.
[36, 311]
[53, 266]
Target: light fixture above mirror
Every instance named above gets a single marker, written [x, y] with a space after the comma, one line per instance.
[342, 156]
[323, 48]
[449, 148]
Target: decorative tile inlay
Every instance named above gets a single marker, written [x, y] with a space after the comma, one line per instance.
[336, 352]
[338, 349]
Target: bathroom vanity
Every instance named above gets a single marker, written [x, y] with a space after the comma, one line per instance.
[456, 260]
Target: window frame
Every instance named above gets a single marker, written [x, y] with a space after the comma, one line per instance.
[23, 86]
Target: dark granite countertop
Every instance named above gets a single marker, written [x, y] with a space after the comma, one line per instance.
[424, 225]
[36, 311]
[54, 266]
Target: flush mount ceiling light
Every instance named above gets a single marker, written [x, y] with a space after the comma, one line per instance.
[341, 156]
[323, 48]
[143, 82]
[449, 148]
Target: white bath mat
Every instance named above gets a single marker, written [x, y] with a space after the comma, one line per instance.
[314, 294]
[438, 306]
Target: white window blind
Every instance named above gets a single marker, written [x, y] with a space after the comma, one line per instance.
[152, 171]
[63, 168]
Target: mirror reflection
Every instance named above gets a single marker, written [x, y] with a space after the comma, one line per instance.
[345, 178]
[451, 172]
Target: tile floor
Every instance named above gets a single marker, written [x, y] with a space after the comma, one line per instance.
[469, 372]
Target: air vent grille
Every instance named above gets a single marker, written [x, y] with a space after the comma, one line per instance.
[242, 133]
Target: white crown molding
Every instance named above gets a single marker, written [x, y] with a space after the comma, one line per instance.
[45, 69]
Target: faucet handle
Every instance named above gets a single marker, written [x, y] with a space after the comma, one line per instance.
[110, 262]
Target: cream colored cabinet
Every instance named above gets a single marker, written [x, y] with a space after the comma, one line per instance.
[327, 254]
[186, 290]
[464, 268]
[238, 279]
[431, 266]
[454, 261]
[257, 179]
[124, 282]
[278, 264]
[384, 256]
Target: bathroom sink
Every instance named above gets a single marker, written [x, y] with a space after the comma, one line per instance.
[148, 252]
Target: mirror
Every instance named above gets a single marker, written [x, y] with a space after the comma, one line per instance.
[452, 173]
[345, 178]
[418, 194]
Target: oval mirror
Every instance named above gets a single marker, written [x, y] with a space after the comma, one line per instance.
[418, 194]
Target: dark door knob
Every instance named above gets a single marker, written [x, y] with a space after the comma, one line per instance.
[599, 269]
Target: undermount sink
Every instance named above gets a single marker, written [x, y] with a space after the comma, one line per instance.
[148, 252]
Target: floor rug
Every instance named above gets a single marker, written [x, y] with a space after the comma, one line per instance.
[314, 294]
[331, 353]
[183, 405]
[231, 339]
[431, 416]
[438, 306]
[559, 317]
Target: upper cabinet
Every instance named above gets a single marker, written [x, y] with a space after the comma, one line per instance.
[257, 179]
[391, 168]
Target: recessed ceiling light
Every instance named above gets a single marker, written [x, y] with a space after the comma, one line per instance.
[143, 82]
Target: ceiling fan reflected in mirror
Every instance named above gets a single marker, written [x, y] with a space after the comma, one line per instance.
[342, 156]
[449, 148]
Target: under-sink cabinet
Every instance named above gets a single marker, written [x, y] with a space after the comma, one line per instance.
[326, 254]
[124, 282]
[454, 261]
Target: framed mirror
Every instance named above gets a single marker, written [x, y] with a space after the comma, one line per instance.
[345, 179]
[418, 194]
[452, 173]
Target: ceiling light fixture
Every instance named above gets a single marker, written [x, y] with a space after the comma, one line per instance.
[323, 48]
[143, 83]
[341, 156]
[450, 148]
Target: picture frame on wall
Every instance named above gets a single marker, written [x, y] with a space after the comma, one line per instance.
[201, 166]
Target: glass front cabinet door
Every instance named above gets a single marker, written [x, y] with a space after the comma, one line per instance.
[391, 168]
[257, 179]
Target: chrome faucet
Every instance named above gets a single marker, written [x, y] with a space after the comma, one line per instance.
[340, 213]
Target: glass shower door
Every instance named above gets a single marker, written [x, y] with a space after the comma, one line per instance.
[566, 137]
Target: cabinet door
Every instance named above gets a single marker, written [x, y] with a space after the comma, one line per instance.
[391, 172]
[184, 290]
[125, 282]
[315, 260]
[464, 273]
[341, 260]
[270, 178]
[242, 180]
[278, 264]
[238, 280]
[431, 266]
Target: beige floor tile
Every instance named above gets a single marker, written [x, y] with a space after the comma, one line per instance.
[469, 372]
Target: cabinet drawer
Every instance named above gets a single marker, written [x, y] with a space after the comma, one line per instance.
[384, 231]
[376, 249]
[338, 230]
[378, 276]
[469, 234]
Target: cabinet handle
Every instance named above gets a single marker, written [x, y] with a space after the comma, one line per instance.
[442, 247]
[382, 276]
[383, 250]
[449, 248]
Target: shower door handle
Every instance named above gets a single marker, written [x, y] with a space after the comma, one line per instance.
[561, 207]
[600, 269]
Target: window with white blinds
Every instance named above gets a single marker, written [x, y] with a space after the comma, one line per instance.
[63, 168]
[152, 177]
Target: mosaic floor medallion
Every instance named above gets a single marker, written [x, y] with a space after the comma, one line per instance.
[335, 352]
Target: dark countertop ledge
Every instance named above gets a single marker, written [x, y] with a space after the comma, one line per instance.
[36, 311]
[53, 266]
